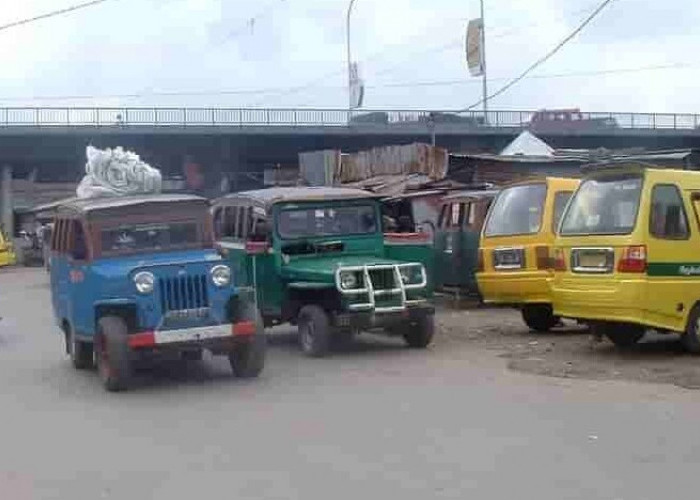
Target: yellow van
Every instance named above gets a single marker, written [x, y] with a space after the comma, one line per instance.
[627, 257]
[516, 247]
[7, 255]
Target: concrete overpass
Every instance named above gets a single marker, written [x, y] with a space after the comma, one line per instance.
[52, 140]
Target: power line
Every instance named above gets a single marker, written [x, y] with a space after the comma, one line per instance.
[546, 57]
[409, 58]
[430, 83]
[54, 13]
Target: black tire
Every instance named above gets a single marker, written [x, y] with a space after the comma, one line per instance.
[314, 331]
[80, 352]
[112, 353]
[419, 334]
[690, 339]
[247, 358]
[539, 317]
[623, 335]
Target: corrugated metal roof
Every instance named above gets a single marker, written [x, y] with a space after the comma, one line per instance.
[92, 204]
[473, 195]
[271, 196]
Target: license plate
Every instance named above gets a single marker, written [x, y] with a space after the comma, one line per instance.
[192, 334]
[593, 260]
[511, 258]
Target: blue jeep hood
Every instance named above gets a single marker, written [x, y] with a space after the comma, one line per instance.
[114, 267]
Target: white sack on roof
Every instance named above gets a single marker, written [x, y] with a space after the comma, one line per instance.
[526, 144]
[115, 172]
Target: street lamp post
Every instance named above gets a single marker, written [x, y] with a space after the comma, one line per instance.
[484, 87]
[347, 32]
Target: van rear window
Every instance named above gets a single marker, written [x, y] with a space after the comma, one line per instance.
[603, 206]
[517, 210]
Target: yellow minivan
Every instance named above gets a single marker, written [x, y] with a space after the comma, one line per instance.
[627, 257]
[516, 247]
[7, 255]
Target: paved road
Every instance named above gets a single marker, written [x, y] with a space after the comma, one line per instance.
[378, 421]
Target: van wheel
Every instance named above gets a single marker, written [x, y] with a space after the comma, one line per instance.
[419, 334]
[80, 352]
[623, 335]
[248, 355]
[314, 331]
[690, 339]
[539, 317]
[112, 353]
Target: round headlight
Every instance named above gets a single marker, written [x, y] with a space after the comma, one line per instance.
[144, 282]
[411, 275]
[348, 280]
[221, 275]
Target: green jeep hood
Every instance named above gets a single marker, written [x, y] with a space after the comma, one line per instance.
[322, 269]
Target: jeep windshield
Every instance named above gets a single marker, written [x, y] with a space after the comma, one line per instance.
[606, 205]
[300, 223]
[517, 210]
[150, 237]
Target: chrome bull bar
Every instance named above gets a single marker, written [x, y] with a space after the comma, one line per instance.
[367, 287]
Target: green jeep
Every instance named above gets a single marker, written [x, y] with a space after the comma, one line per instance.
[318, 259]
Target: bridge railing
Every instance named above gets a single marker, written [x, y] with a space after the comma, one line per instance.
[305, 117]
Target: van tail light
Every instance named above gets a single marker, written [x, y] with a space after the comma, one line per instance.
[542, 258]
[633, 260]
[480, 261]
[559, 260]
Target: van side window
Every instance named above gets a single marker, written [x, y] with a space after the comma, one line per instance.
[561, 198]
[668, 219]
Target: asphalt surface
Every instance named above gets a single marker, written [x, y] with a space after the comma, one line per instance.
[375, 421]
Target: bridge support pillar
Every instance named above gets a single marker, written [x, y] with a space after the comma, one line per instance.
[6, 216]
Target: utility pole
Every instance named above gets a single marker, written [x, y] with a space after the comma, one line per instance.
[484, 85]
[347, 32]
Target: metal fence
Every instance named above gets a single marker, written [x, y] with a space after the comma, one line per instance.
[239, 117]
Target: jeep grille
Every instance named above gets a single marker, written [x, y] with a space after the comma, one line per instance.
[185, 292]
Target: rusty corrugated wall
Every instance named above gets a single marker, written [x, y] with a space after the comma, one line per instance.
[394, 160]
[319, 168]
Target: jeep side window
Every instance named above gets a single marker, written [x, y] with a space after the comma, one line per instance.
[54, 235]
[63, 237]
[218, 223]
[470, 214]
[668, 219]
[229, 222]
[79, 247]
[445, 215]
[240, 224]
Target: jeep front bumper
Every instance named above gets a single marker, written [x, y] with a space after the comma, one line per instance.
[382, 284]
[367, 320]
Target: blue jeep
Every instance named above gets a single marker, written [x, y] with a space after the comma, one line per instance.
[136, 277]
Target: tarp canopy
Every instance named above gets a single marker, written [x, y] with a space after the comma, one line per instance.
[527, 144]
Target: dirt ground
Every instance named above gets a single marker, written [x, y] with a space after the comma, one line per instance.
[569, 351]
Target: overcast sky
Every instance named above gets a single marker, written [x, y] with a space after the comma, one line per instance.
[638, 55]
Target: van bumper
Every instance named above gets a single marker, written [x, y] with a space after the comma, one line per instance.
[598, 300]
[515, 287]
